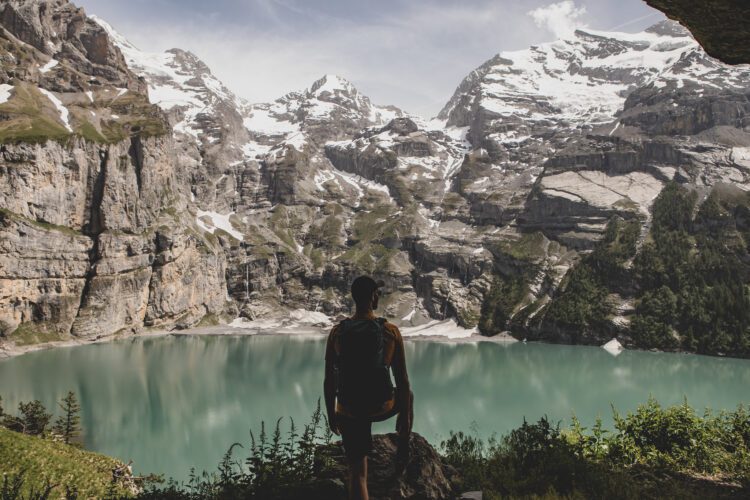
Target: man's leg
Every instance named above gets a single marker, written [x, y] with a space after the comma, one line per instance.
[358, 479]
[356, 435]
[404, 433]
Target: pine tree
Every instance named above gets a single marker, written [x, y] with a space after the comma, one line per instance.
[34, 418]
[68, 426]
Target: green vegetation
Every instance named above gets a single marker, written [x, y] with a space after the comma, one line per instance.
[581, 308]
[529, 246]
[31, 332]
[692, 276]
[31, 117]
[38, 464]
[210, 319]
[654, 452]
[68, 425]
[5, 213]
[35, 464]
[374, 233]
[690, 279]
[277, 467]
[500, 304]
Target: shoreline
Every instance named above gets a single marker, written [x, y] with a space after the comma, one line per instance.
[12, 351]
[303, 331]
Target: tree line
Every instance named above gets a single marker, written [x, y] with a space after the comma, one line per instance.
[34, 419]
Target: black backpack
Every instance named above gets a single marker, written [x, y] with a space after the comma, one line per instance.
[364, 380]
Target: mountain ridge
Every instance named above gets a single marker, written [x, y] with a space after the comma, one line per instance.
[479, 216]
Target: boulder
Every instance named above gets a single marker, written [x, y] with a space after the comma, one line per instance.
[425, 476]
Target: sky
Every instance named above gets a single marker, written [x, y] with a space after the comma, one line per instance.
[409, 53]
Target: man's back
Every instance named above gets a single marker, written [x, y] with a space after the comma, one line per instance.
[379, 347]
[393, 357]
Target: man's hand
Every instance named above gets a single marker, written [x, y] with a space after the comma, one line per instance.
[333, 424]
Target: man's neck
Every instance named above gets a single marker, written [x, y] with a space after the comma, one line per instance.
[367, 314]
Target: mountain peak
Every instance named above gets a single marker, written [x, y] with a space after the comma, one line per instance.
[668, 28]
[331, 83]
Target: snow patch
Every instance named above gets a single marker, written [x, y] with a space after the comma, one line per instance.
[5, 92]
[262, 121]
[741, 156]
[446, 328]
[409, 316]
[296, 321]
[60, 107]
[51, 64]
[217, 221]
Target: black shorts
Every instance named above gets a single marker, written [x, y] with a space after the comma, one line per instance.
[356, 436]
[356, 433]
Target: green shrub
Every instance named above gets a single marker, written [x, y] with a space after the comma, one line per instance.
[652, 452]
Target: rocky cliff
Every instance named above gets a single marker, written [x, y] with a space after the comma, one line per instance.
[139, 191]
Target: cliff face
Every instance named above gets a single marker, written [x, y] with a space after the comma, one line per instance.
[138, 191]
[93, 240]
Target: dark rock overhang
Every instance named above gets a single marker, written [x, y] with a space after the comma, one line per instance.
[720, 26]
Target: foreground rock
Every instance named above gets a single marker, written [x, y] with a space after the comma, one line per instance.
[425, 476]
[719, 25]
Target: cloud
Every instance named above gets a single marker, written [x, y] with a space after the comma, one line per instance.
[410, 53]
[561, 18]
[413, 57]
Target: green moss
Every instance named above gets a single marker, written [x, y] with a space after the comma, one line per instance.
[209, 319]
[372, 258]
[89, 132]
[45, 461]
[316, 257]
[31, 332]
[530, 246]
[41, 224]
[469, 318]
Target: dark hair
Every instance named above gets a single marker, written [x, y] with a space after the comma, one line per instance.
[362, 289]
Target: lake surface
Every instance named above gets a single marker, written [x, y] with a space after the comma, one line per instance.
[172, 403]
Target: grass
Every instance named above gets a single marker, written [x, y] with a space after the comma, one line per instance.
[529, 247]
[30, 333]
[5, 213]
[43, 461]
[209, 319]
[30, 117]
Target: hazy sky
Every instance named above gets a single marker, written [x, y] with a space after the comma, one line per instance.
[411, 53]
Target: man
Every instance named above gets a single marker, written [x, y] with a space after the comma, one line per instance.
[357, 385]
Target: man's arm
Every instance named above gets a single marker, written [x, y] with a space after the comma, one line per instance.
[330, 382]
[403, 387]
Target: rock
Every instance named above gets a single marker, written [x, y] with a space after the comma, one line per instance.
[425, 477]
[718, 25]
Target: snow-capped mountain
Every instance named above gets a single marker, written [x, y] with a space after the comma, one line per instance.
[198, 204]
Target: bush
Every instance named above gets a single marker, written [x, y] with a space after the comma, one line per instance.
[275, 468]
[653, 451]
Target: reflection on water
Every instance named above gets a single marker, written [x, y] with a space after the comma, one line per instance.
[177, 402]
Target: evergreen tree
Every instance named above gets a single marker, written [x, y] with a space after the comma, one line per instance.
[67, 426]
[34, 418]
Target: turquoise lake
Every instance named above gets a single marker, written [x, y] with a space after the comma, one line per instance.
[176, 402]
